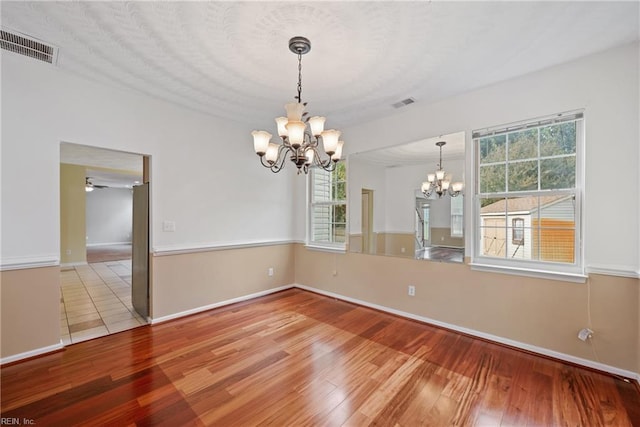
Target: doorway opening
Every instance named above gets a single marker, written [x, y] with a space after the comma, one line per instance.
[368, 242]
[97, 241]
[423, 224]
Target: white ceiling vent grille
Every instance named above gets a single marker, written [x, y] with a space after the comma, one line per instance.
[24, 45]
[403, 103]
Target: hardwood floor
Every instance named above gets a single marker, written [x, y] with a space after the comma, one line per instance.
[106, 253]
[298, 358]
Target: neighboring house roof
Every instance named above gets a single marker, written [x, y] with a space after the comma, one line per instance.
[521, 204]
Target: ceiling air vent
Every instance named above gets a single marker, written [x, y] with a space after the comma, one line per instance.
[403, 103]
[24, 45]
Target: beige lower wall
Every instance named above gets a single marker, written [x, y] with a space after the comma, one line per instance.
[188, 281]
[398, 244]
[30, 303]
[442, 237]
[543, 313]
[538, 312]
[392, 244]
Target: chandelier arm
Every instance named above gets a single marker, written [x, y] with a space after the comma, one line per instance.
[265, 163]
[275, 167]
[283, 150]
[327, 165]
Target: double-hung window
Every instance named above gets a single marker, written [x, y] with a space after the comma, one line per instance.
[527, 196]
[328, 208]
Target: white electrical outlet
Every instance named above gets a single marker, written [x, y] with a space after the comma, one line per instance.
[412, 291]
[270, 272]
[585, 334]
[169, 226]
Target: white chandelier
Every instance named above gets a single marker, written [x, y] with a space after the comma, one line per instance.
[438, 183]
[298, 142]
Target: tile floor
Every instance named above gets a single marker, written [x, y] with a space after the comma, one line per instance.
[96, 301]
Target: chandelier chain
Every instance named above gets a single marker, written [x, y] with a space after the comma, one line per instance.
[299, 97]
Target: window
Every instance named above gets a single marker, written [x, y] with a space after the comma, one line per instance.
[328, 207]
[457, 216]
[528, 182]
[517, 237]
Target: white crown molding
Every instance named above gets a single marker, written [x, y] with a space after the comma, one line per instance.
[23, 263]
[165, 250]
[490, 337]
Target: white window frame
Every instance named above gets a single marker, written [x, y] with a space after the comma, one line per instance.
[534, 268]
[339, 247]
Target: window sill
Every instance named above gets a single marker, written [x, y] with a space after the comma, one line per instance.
[323, 248]
[528, 272]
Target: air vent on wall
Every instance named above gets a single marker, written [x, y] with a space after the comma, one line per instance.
[404, 102]
[24, 45]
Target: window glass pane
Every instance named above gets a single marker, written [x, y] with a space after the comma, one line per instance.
[524, 248]
[486, 201]
[493, 227]
[517, 234]
[340, 191]
[340, 213]
[493, 239]
[339, 233]
[523, 145]
[557, 244]
[321, 188]
[321, 223]
[493, 149]
[492, 179]
[558, 139]
[457, 218]
[558, 173]
[523, 176]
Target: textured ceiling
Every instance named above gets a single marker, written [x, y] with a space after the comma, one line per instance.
[231, 59]
[416, 153]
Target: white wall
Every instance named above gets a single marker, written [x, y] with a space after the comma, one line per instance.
[204, 173]
[402, 183]
[109, 216]
[606, 85]
[361, 174]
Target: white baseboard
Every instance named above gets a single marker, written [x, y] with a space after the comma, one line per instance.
[32, 353]
[528, 347]
[73, 264]
[97, 245]
[161, 319]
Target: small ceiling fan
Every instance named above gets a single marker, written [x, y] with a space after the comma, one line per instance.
[89, 186]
